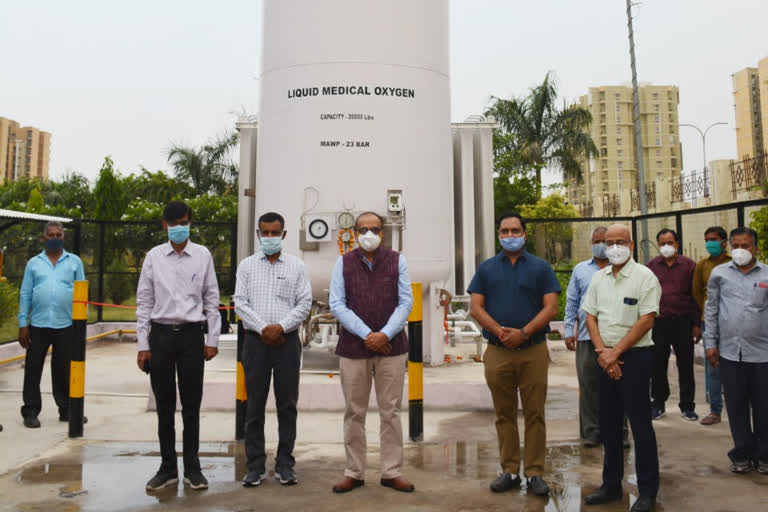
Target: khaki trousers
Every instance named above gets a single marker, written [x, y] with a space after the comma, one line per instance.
[506, 372]
[387, 374]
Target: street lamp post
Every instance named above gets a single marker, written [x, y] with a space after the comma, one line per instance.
[704, 139]
[704, 155]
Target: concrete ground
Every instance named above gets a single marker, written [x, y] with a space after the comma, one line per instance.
[106, 470]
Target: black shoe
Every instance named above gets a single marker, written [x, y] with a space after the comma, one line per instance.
[591, 443]
[537, 486]
[254, 478]
[658, 412]
[161, 480]
[643, 504]
[741, 466]
[602, 495]
[65, 417]
[761, 465]
[286, 476]
[31, 422]
[505, 482]
[196, 481]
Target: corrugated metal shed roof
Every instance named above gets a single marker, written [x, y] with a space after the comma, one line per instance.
[11, 214]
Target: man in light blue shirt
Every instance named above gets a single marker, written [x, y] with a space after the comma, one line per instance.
[587, 369]
[736, 341]
[45, 320]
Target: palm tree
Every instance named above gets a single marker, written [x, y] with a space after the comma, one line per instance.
[534, 134]
[209, 168]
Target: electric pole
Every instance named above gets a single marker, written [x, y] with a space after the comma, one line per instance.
[638, 141]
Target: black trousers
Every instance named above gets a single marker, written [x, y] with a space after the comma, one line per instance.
[668, 334]
[746, 391]
[177, 352]
[629, 395]
[41, 339]
[260, 361]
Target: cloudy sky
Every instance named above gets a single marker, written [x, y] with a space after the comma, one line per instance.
[128, 78]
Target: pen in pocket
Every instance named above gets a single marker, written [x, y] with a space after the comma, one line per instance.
[193, 277]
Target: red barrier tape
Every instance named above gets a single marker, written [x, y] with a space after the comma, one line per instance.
[104, 304]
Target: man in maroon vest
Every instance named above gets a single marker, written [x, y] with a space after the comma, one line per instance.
[371, 298]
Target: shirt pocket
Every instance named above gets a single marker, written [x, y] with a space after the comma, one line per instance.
[284, 287]
[194, 287]
[628, 314]
[759, 298]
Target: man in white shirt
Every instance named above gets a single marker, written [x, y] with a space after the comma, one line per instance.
[177, 292]
[272, 298]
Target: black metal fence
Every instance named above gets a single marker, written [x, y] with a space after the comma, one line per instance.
[112, 254]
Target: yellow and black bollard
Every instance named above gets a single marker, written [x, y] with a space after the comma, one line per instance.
[415, 368]
[77, 360]
[241, 396]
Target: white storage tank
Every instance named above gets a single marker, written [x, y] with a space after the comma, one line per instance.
[355, 115]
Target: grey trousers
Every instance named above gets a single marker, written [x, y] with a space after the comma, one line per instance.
[588, 373]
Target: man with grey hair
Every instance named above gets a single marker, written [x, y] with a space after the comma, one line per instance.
[621, 304]
[45, 320]
[577, 338]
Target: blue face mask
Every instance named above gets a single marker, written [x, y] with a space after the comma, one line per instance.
[178, 234]
[53, 244]
[714, 247]
[598, 251]
[271, 244]
[512, 243]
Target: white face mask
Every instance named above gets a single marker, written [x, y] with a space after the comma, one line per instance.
[369, 241]
[617, 254]
[741, 257]
[667, 250]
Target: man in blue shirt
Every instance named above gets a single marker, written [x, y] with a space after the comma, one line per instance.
[514, 297]
[587, 370]
[736, 340]
[45, 320]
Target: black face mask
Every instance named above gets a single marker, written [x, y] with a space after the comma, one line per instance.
[54, 244]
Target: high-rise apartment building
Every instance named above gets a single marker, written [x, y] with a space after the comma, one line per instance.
[749, 115]
[610, 181]
[24, 151]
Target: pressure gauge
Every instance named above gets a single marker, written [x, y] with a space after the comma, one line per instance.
[346, 220]
[318, 229]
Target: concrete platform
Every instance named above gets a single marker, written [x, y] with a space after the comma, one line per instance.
[106, 470]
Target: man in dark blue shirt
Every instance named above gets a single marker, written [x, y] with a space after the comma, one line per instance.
[514, 297]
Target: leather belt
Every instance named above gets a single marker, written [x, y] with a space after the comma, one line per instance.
[535, 340]
[189, 326]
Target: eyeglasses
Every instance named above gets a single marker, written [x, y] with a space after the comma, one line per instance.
[622, 243]
[363, 231]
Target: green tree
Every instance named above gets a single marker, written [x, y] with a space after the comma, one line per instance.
[210, 168]
[35, 203]
[512, 192]
[156, 187]
[108, 194]
[9, 301]
[556, 236]
[760, 224]
[535, 133]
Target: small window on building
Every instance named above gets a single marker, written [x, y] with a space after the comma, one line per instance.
[620, 165]
[619, 141]
[619, 152]
[673, 162]
[659, 163]
[658, 152]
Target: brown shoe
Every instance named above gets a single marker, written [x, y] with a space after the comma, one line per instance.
[348, 484]
[710, 419]
[398, 483]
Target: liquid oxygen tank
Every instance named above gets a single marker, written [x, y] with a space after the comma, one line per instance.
[354, 116]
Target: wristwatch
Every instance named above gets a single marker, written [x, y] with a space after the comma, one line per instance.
[526, 336]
